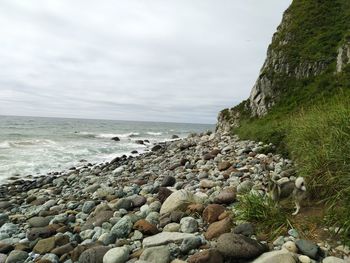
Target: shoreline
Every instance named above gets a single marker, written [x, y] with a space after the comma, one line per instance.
[176, 202]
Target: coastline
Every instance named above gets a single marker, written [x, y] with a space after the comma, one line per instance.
[176, 202]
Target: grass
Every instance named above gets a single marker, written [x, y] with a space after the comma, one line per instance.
[263, 212]
[310, 122]
[319, 141]
[317, 138]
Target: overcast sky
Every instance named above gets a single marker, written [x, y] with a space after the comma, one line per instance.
[152, 60]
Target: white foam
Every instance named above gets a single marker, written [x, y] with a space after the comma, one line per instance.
[155, 133]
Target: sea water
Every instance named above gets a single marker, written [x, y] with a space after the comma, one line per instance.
[35, 146]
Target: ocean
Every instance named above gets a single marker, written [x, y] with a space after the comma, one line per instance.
[35, 145]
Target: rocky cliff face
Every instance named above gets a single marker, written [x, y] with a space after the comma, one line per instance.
[343, 57]
[310, 41]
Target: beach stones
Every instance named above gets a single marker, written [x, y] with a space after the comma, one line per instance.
[160, 254]
[212, 212]
[98, 219]
[39, 221]
[9, 229]
[239, 247]
[17, 256]
[276, 257]
[188, 225]
[217, 228]
[206, 256]
[145, 227]
[5, 248]
[122, 228]
[307, 248]
[44, 245]
[164, 238]
[246, 229]
[42, 232]
[93, 255]
[116, 255]
[178, 200]
[3, 218]
[168, 181]
[222, 166]
[226, 196]
[190, 243]
[88, 206]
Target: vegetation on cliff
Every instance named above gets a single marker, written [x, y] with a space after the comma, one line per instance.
[310, 119]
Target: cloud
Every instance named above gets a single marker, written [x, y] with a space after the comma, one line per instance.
[157, 60]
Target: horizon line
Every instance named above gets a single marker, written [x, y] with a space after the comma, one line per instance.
[82, 118]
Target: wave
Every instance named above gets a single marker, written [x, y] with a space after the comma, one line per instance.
[155, 133]
[24, 143]
[108, 135]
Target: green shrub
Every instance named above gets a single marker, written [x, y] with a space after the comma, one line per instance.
[263, 212]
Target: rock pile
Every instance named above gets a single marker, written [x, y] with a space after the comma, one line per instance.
[172, 204]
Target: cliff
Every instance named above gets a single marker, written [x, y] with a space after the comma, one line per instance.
[311, 44]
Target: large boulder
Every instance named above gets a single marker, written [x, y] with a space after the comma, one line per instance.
[179, 200]
[239, 247]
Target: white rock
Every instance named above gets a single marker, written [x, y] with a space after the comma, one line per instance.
[165, 238]
[304, 259]
[333, 260]
[276, 257]
[116, 255]
[290, 246]
[179, 200]
[172, 227]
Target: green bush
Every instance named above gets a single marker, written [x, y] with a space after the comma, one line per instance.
[263, 212]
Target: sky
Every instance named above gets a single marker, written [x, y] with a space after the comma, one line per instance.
[145, 60]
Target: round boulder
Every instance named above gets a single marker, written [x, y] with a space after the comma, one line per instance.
[239, 247]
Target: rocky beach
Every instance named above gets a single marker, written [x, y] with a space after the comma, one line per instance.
[175, 203]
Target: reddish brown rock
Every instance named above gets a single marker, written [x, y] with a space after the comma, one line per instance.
[223, 215]
[224, 166]
[217, 228]
[206, 256]
[145, 227]
[212, 212]
[195, 208]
